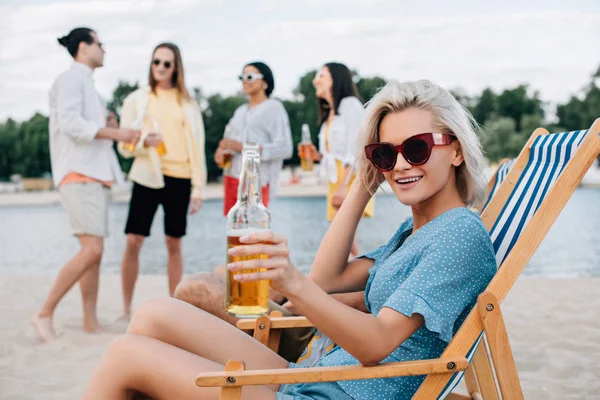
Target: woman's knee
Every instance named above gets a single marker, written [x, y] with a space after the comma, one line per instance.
[173, 245]
[151, 317]
[134, 242]
[118, 344]
[117, 349]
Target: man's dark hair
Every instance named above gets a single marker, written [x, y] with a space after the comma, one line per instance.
[76, 36]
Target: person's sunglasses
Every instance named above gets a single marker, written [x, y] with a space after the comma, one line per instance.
[416, 150]
[167, 64]
[250, 77]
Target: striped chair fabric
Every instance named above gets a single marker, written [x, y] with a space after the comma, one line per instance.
[501, 174]
[548, 157]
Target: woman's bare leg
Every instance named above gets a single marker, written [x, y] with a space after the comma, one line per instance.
[137, 364]
[182, 325]
[175, 263]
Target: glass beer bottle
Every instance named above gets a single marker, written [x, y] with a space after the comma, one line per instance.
[226, 164]
[161, 149]
[306, 160]
[248, 215]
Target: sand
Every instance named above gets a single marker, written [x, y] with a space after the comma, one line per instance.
[554, 327]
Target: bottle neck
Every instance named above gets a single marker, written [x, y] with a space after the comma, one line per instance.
[306, 134]
[249, 190]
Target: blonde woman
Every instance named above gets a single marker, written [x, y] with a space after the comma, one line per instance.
[174, 179]
[340, 116]
[419, 286]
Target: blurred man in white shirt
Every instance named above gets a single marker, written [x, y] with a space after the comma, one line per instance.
[84, 166]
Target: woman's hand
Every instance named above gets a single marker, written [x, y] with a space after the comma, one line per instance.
[378, 181]
[195, 204]
[284, 277]
[313, 152]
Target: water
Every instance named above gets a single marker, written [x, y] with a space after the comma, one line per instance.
[37, 240]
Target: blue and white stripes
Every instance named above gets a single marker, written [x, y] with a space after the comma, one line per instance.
[501, 175]
[548, 158]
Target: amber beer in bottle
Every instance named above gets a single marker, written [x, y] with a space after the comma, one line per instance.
[226, 164]
[149, 125]
[306, 160]
[247, 216]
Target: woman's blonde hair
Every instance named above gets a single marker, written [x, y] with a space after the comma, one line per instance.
[449, 117]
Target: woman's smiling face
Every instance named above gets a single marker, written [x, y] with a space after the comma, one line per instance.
[415, 184]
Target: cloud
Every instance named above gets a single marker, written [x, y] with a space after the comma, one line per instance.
[467, 46]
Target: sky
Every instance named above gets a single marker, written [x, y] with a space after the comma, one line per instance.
[554, 46]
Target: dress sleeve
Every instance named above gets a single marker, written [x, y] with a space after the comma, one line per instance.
[453, 270]
[374, 254]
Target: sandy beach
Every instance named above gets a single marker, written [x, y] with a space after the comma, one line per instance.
[554, 326]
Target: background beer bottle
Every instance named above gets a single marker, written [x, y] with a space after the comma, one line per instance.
[247, 299]
[226, 164]
[306, 160]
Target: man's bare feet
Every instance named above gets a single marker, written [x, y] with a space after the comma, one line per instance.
[44, 328]
[91, 326]
[125, 317]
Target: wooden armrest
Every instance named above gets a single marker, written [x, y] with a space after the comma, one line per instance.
[276, 323]
[330, 374]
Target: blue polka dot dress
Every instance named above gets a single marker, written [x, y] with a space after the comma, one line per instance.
[437, 272]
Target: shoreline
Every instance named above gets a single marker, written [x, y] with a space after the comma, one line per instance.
[122, 194]
[310, 186]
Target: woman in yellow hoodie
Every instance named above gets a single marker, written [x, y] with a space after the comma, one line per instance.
[169, 167]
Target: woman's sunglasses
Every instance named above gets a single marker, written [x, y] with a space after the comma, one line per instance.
[167, 64]
[416, 150]
[250, 77]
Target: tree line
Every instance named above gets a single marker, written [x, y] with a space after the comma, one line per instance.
[507, 118]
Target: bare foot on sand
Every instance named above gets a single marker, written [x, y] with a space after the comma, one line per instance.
[91, 326]
[124, 317]
[44, 328]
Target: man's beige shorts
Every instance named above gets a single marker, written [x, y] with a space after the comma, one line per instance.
[87, 206]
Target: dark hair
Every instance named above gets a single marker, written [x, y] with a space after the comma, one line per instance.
[76, 36]
[267, 75]
[343, 86]
[177, 79]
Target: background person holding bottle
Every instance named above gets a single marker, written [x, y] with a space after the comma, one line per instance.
[340, 112]
[84, 166]
[169, 167]
[263, 120]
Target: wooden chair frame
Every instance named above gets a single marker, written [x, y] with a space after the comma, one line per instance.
[482, 381]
